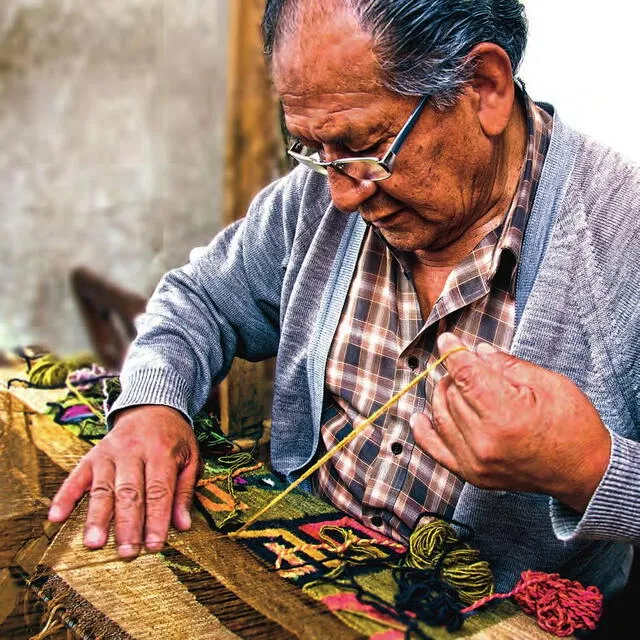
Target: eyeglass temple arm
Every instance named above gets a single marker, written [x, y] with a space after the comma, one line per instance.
[390, 156]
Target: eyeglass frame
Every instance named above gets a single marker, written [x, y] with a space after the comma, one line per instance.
[386, 162]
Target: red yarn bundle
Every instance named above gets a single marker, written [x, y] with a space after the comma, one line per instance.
[561, 606]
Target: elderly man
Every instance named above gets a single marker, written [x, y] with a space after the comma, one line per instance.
[435, 205]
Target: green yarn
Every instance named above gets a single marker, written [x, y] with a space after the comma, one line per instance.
[460, 567]
[51, 371]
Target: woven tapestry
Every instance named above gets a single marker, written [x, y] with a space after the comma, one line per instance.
[303, 570]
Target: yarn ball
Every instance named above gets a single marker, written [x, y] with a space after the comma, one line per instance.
[50, 371]
[460, 564]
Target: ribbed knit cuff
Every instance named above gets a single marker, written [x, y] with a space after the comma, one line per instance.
[152, 386]
[613, 513]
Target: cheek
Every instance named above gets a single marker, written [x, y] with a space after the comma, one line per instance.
[425, 182]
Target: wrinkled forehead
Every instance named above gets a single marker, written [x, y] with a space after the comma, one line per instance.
[323, 51]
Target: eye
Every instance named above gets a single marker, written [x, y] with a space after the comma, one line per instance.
[370, 151]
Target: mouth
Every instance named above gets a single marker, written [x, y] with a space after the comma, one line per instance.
[387, 220]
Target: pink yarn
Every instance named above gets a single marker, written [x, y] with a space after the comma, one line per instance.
[561, 606]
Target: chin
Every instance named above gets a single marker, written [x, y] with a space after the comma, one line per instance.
[409, 242]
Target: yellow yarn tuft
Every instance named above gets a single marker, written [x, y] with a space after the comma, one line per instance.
[51, 371]
[461, 564]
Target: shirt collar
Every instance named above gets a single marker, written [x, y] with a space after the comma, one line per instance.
[539, 125]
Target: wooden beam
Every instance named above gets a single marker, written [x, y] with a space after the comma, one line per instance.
[254, 148]
[254, 157]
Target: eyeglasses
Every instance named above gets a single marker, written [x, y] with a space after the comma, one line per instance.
[372, 169]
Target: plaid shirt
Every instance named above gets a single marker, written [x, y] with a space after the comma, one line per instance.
[381, 343]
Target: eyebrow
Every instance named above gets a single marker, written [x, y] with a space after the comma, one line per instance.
[335, 140]
[368, 139]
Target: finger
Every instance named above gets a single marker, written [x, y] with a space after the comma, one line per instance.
[129, 506]
[160, 485]
[73, 488]
[443, 422]
[185, 486]
[483, 387]
[100, 510]
[460, 412]
[431, 443]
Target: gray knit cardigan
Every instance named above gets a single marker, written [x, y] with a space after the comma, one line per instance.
[275, 283]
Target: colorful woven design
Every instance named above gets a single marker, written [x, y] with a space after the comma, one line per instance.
[206, 585]
[307, 542]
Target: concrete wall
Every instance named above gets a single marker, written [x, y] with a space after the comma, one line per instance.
[111, 145]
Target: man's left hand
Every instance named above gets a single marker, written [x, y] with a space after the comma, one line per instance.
[503, 423]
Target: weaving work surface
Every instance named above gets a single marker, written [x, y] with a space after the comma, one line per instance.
[205, 584]
[218, 587]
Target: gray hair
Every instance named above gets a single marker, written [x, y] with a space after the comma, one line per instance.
[423, 46]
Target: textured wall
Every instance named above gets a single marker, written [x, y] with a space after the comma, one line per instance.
[111, 147]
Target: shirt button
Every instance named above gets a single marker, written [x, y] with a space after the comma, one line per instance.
[376, 521]
[396, 447]
[413, 362]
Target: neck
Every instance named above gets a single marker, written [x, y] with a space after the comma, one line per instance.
[506, 168]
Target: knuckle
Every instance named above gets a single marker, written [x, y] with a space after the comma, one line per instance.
[182, 452]
[466, 378]
[157, 492]
[128, 495]
[101, 491]
[513, 365]
[438, 421]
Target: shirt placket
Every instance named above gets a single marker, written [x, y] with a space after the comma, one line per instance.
[387, 475]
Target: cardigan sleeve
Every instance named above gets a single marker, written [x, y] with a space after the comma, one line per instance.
[224, 303]
[613, 513]
[613, 201]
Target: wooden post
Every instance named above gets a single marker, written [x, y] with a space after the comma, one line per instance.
[254, 157]
[254, 150]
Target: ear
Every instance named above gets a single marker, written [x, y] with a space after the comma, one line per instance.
[492, 90]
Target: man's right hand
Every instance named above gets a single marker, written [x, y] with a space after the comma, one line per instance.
[141, 475]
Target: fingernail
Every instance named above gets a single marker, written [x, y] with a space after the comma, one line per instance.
[93, 537]
[485, 347]
[445, 338]
[55, 514]
[186, 519]
[413, 420]
[128, 550]
[154, 544]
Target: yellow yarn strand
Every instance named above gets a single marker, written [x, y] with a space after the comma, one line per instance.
[345, 441]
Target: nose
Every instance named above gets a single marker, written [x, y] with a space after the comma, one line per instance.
[348, 194]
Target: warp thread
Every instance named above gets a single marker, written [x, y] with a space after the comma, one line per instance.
[561, 606]
[54, 616]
